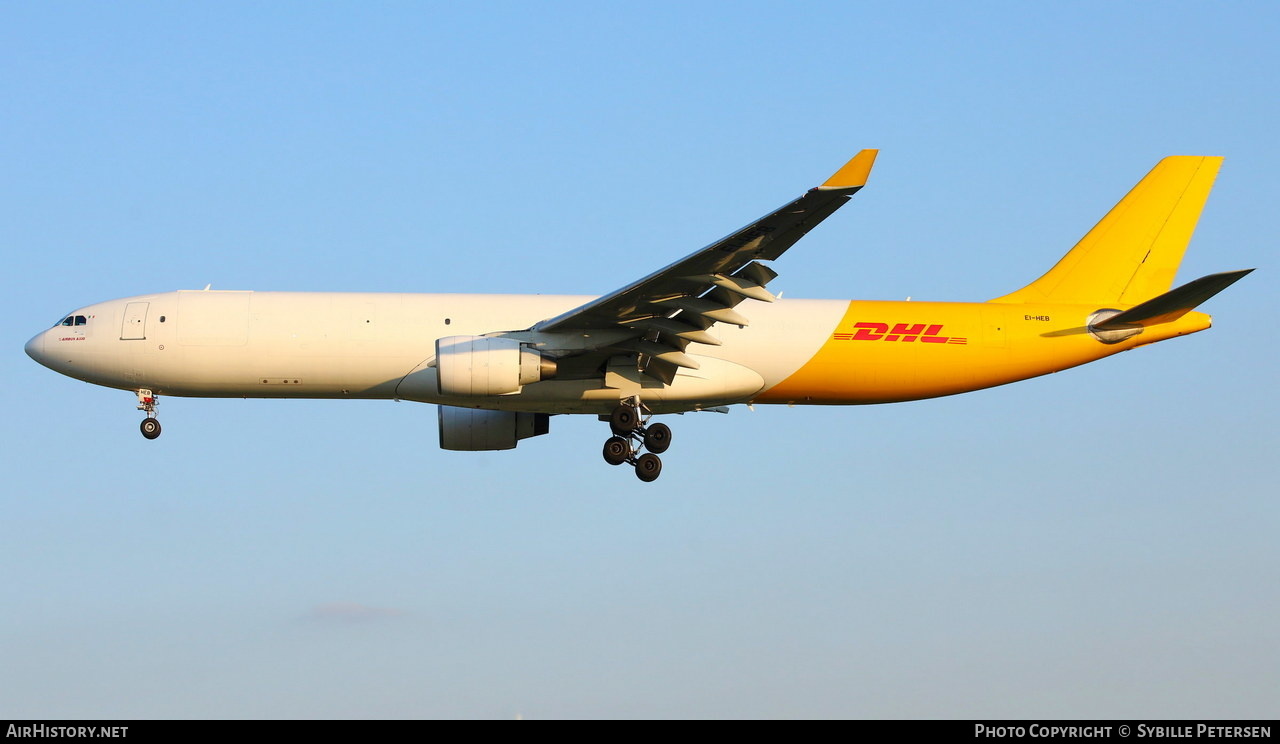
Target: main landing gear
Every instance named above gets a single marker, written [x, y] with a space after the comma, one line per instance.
[150, 425]
[631, 433]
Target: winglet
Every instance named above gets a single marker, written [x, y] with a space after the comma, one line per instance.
[854, 173]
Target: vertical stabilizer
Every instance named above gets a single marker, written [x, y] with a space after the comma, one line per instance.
[1133, 254]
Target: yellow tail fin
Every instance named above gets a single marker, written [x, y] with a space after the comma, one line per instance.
[1133, 254]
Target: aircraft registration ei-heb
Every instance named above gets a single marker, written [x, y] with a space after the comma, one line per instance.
[704, 333]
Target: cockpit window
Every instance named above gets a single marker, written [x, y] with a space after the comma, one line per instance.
[69, 320]
[81, 320]
[72, 320]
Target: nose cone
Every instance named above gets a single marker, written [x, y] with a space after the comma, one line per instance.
[35, 348]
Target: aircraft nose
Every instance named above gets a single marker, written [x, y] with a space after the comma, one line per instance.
[35, 348]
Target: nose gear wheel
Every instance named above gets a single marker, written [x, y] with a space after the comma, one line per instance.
[150, 426]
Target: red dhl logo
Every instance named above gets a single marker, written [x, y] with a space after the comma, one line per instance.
[900, 332]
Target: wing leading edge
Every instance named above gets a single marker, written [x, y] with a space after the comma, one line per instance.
[675, 306]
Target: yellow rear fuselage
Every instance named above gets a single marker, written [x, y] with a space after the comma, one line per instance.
[884, 352]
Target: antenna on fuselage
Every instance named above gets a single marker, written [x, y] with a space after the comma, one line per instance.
[206, 287]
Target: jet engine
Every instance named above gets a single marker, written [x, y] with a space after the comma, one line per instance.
[484, 365]
[475, 429]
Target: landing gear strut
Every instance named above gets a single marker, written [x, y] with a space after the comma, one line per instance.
[631, 433]
[150, 425]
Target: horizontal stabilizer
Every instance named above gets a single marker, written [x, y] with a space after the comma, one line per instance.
[1172, 304]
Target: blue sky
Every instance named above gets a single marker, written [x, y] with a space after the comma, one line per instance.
[1099, 542]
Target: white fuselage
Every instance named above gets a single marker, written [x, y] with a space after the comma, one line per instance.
[378, 345]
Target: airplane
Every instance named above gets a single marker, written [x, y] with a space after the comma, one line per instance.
[703, 333]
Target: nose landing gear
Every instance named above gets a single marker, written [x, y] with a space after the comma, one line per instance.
[631, 433]
[150, 425]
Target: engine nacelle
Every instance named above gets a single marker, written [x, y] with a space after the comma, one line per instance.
[482, 365]
[475, 429]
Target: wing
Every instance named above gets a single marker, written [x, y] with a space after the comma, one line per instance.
[673, 307]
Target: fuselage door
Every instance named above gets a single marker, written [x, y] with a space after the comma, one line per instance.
[135, 321]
